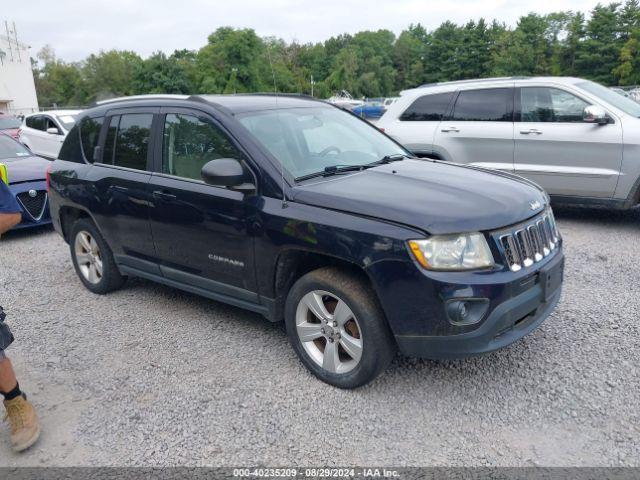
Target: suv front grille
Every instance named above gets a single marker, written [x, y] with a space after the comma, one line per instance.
[530, 242]
[33, 205]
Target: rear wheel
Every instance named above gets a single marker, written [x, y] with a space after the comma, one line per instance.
[337, 328]
[92, 259]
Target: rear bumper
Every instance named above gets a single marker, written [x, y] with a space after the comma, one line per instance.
[508, 322]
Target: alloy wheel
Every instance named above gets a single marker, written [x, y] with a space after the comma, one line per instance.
[88, 257]
[329, 331]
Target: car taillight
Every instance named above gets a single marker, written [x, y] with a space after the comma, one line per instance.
[381, 129]
[48, 178]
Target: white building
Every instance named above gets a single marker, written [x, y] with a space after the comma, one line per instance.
[17, 88]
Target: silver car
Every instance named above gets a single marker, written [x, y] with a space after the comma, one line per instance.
[577, 139]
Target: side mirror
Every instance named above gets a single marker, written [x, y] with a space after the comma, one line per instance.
[595, 114]
[53, 131]
[226, 172]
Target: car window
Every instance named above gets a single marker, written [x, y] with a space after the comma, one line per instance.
[9, 122]
[89, 134]
[544, 104]
[71, 150]
[127, 142]
[9, 148]
[37, 122]
[189, 142]
[428, 108]
[67, 120]
[50, 123]
[486, 105]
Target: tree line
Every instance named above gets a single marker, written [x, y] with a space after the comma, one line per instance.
[603, 46]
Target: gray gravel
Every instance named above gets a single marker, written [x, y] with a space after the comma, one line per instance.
[154, 376]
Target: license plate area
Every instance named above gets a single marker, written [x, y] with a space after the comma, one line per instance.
[551, 278]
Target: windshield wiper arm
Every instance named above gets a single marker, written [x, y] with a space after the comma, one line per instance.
[333, 169]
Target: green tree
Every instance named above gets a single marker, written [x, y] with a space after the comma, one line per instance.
[110, 74]
[161, 74]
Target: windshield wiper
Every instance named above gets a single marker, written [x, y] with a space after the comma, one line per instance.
[334, 169]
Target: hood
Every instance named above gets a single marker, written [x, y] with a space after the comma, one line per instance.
[433, 196]
[26, 169]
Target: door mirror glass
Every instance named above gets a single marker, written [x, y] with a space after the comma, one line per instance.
[595, 114]
[224, 172]
[53, 131]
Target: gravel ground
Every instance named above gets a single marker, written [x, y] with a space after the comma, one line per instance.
[153, 376]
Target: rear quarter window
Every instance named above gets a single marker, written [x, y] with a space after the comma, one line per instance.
[428, 108]
[89, 135]
[71, 151]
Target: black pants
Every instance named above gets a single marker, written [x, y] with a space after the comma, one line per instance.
[6, 337]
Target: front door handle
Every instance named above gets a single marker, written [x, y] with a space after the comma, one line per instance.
[164, 195]
[450, 129]
[531, 130]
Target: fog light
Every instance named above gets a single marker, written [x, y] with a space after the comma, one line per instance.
[466, 311]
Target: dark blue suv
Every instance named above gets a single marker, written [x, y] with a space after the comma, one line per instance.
[302, 212]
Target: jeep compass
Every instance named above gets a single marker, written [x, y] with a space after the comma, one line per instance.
[300, 211]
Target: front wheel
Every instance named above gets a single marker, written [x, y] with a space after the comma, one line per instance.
[337, 328]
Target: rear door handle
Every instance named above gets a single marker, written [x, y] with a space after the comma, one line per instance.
[450, 129]
[531, 130]
[164, 195]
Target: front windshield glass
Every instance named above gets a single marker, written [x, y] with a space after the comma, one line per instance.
[9, 148]
[628, 106]
[307, 140]
[9, 122]
[67, 121]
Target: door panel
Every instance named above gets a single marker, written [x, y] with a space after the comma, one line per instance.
[202, 233]
[480, 130]
[557, 150]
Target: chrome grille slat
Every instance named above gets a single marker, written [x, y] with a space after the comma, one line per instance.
[530, 242]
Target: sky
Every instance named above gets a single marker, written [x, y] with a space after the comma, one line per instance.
[78, 28]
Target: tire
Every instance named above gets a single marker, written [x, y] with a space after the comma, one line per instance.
[361, 324]
[92, 259]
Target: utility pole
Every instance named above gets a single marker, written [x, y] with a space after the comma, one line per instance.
[234, 71]
[312, 84]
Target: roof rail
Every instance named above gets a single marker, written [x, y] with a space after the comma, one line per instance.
[151, 96]
[476, 80]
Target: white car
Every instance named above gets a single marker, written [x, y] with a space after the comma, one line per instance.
[577, 139]
[44, 132]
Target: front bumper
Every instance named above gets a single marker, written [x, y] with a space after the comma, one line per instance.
[506, 322]
[40, 214]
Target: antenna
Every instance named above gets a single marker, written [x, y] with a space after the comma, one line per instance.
[275, 91]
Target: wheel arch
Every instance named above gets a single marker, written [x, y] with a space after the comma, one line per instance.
[293, 263]
[68, 216]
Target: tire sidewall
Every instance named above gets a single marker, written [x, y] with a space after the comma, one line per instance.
[103, 286]
[376, 350]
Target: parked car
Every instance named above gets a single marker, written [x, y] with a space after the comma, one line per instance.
[9, 125]
[369, 110]
[27, 181]
[298, 210]
[566, 134]
[44, 132]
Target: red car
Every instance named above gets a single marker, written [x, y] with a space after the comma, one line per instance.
[10, 125]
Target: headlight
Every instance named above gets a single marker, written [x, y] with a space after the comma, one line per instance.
[466, 251]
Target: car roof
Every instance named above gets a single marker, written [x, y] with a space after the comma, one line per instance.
[234, 104]
[486, 82]
[56, 112]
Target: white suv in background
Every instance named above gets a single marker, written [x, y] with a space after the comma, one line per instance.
[577, 139]
[44, 132]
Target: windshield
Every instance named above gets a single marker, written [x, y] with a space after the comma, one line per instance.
[9, 122]
[307, 140]
[625, 104]
[9, 148]
[67, 121]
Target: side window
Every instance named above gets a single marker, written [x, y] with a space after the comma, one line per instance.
[110, 141]
[48, 122]
[543, 104]
[189, 142]
[428, 108]
[37, 122]
[71, 150]
[132, 140]
[488, 105]
[89, 134]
